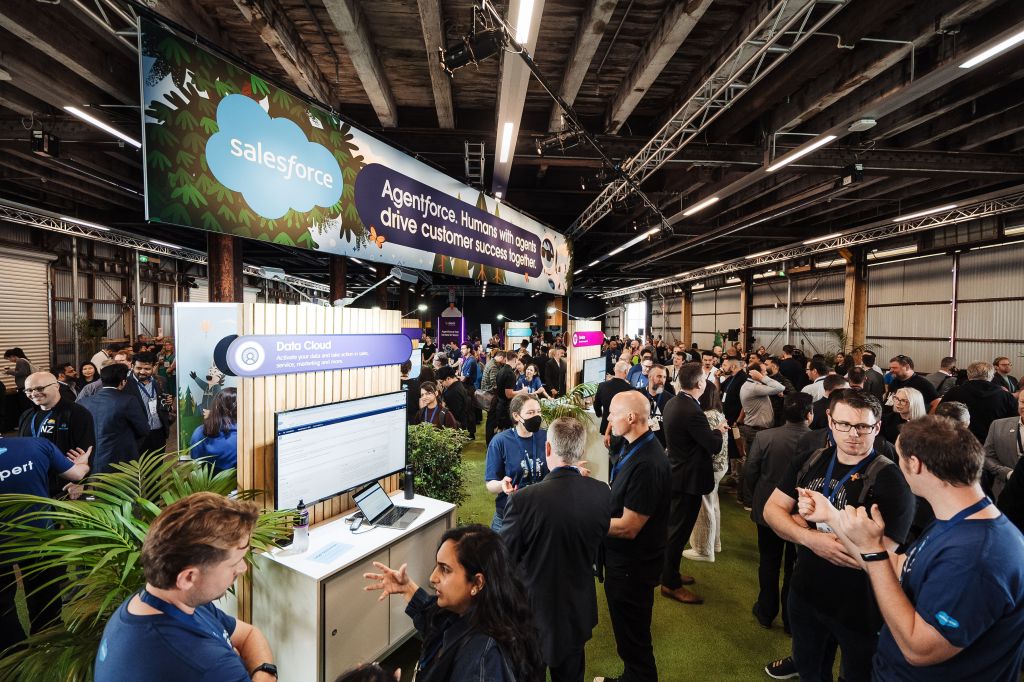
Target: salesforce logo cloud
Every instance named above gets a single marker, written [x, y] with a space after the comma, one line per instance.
[270, 161]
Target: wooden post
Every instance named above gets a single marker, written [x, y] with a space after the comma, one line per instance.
[855, 308]
[745, 313]
[224, 260]
[337, 277]
[686, 320]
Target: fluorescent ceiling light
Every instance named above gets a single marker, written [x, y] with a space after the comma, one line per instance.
[889, 253]
[371, 268]
[716, 265]
[825, 238]
[1010, 231]
[355, 260]
[799, 153]
[88, 118]
[695, 287]
[94, 226]
[594, 263]
[160, 243]
[1002, 46]
[921, 214]
[523, 21]
[758, 255]
[506, 142]
[576, 272]
[733, 280]
[701, 206]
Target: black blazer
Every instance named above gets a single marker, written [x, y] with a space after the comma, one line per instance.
[985, 401]
[731, 396]
[691, 444]
[553, 531]
[607, 390]
[121, 425]
[132, 389]
[770, 456]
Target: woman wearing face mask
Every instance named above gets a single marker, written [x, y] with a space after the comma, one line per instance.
[515, 457]
[479, 627]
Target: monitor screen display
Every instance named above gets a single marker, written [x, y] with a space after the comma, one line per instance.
[593, 370]
[325, 450]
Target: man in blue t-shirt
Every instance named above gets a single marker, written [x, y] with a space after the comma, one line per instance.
[953, 603]
[515, 457]
[170, 630]
[25, 468]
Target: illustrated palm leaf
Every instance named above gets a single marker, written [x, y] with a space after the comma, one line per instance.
[95, 546]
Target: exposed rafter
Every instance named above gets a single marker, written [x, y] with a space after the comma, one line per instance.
[595, 18]
[348, 19]
[433, 39]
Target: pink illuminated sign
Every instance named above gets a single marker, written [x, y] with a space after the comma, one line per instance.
[581, 339]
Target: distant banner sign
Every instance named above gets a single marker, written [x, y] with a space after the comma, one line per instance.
[226, 151]
[519, 331]
[265, 355]
[583, 339]
[449, 330]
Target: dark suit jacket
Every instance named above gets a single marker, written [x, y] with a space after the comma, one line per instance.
[874, 383]
[1011, 500]
[818, 408]
[607, 390]
[121, 424]
[1007, 383]
[132, 389]
[731, 396]
[985, 401]
[553, 530]
[691, 444]
[554, 376]
[769, 458]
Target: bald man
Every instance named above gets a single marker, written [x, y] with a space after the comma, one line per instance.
[64, 423]
[635, 546]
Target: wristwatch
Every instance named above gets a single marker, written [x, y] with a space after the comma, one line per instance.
[875, 556]
[268, 668]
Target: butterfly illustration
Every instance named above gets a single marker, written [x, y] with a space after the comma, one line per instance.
[375, 238]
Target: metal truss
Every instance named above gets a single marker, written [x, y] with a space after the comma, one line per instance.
[23, 215]
[982, 207]
[783, 29]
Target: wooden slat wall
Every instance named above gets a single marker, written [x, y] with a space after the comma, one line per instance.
[260, 398]
[576, 356]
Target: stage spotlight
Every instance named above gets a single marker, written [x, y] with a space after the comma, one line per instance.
[474, 48]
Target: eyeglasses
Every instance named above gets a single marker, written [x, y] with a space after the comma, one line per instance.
[898, 399]
[38, 389]
[861, 429]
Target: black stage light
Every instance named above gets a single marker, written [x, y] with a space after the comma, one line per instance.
[474, 48]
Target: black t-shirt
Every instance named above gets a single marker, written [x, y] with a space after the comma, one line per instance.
[845, 593]
[920, 383]
[428, 351]
[68, 425]
[643, 485]
[505, 378]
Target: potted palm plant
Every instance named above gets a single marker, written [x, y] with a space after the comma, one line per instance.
[95, 544]
[572, 404]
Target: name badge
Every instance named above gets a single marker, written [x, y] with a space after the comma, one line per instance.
[152, 405]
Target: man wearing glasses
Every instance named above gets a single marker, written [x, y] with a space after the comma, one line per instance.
[830, 597]
[64, 423]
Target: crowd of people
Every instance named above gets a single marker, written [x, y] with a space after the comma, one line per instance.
[887, 507]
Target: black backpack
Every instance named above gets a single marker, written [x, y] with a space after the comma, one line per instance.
[869, 475]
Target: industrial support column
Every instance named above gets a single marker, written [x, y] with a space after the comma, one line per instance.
[745, 313]
[382, 290]
[855, 296]
[686, 320]
[339, 270]
[224, 268]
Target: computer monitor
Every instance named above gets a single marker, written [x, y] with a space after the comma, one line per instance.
[325, 450]
[593, 370]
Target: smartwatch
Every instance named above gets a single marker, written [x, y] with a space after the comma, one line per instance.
[875, 556]
[268, 668]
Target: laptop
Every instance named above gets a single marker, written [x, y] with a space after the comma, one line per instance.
[379, 510]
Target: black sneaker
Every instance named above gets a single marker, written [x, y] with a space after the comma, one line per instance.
[782, 669]
[766, 624]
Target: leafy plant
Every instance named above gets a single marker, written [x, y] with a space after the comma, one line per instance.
[572, 404]
[89, 337]
[436, 457]
[839, 342]
[95, 546]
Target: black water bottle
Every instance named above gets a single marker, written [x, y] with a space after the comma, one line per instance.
[409, 492]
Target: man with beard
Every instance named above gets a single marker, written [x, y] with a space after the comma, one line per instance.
[658, 392]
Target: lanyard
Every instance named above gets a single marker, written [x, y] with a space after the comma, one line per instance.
[626, 454]
[196, 623]
[826, 486]
[38, 431]
[151, 394]
[531, 462]
[430, 417]
[929, 534]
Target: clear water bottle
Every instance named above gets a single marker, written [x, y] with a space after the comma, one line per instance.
[300, 532]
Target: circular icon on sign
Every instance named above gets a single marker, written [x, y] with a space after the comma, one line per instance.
[575, 340]
[249, 356]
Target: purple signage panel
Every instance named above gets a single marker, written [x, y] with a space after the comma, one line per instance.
[581, 339]
[414, 333]
[449, 329]
[259, 355]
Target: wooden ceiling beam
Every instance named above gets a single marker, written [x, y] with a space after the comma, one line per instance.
[70, 187]
[672, 30]
[20, 102]
[432, 22]
[192, 16]
[109, 188]
[51, 30]
[38, 76]
[595, 19]
[269, 20]
[968, 116]
[347, 17]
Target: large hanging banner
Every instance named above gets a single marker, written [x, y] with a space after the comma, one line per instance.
[228, 152]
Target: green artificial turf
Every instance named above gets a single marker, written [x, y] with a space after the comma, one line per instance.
[718, 640]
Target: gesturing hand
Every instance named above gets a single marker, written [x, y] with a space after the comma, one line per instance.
[829, 548]
[865, 531]
[79, 456]
[390, 581]
[506, 486]
[814, 506]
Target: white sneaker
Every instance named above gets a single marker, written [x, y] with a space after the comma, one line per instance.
[718, 549]
[694, 555]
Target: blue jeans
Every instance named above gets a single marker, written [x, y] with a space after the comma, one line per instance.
[496, 522]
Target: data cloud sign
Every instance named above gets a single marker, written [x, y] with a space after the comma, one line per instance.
[269, 161]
